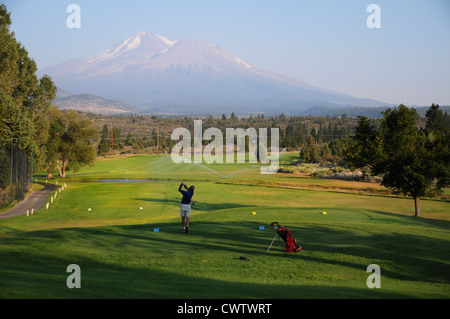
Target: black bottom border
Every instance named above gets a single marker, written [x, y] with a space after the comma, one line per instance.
[223, 308]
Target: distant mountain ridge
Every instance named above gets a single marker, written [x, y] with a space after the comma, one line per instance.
[156, 75]
[364, 111]
[90, 103]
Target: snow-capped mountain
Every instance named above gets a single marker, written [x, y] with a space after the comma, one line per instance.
[155, 74]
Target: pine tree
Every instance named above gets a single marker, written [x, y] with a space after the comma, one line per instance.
[24, 99]
[103, 146]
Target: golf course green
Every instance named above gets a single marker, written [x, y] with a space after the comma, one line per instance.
[105, 222]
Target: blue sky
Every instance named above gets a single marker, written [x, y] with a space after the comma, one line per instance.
[323, 43]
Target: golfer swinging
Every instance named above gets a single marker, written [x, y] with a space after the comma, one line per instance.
[185, 206]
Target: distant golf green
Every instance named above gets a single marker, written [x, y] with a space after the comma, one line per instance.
[108, 229]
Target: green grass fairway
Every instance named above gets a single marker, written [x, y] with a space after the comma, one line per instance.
[121, 256]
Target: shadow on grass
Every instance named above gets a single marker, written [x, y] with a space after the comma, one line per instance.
[122, 261]
[419, 221]
[45, 277]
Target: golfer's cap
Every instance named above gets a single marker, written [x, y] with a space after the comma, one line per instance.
[192, 187]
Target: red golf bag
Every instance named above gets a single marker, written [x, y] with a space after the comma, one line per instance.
[292, 246]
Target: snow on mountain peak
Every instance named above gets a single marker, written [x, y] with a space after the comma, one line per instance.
[160, 43]
[133, 43]
[248, 66]
[140, 33]
[165, 40]
[158, 52]
[124, 46]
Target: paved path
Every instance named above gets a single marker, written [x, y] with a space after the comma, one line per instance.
[33, 201]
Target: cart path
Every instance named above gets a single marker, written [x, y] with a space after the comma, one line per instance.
[33, 201]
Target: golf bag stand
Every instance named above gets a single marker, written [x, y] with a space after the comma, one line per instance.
[276, 235]
[292, 246]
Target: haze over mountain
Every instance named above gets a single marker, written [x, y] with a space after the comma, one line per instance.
[157, 75]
